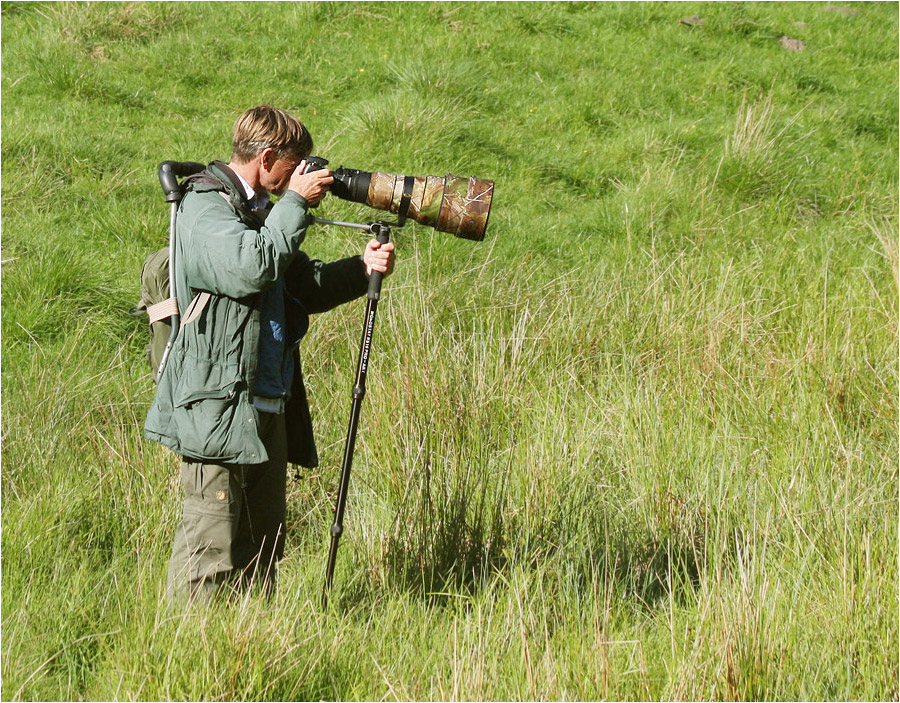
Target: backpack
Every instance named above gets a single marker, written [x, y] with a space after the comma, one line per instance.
[155, 301]
[157, 305]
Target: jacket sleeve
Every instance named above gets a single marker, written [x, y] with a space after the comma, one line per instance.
[321, 286]
[220, 254]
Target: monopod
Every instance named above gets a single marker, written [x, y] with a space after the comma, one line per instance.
[382, 232]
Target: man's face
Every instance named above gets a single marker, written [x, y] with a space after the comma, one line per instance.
[276, 173]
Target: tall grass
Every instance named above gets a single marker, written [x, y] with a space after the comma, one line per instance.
[641, 443]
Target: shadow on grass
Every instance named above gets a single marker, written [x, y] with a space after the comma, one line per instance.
[457, 542]
[452, 542]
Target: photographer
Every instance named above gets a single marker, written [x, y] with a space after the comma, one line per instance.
[231, 400]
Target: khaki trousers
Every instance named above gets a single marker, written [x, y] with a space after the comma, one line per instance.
[231, 534]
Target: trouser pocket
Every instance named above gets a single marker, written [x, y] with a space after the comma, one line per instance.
[202, 549]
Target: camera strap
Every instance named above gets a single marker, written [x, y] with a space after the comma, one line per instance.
[403, 210]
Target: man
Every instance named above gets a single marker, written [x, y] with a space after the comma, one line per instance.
[231, 400]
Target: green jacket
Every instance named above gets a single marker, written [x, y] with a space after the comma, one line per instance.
[203, 408]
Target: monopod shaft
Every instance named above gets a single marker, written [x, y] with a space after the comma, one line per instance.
[382, 233]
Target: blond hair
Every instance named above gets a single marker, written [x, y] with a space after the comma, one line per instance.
[268, 127]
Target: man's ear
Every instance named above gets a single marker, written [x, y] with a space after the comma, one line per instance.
[268, 158]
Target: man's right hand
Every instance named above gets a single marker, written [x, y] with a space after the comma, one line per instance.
[311, 186]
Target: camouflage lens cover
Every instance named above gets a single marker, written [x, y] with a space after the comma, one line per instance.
[458, 206]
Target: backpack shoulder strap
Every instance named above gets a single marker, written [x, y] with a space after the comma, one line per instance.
[203, 182]
[233, 192]
[206, 182]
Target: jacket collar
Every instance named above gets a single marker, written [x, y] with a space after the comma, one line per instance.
[230, 180]
[236, 193]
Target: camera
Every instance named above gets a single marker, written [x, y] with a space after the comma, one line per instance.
[314, 163]
[349, 183]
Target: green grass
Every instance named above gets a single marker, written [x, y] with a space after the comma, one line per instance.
[641, 443]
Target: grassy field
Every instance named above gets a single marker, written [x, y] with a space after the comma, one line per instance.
[640, 443]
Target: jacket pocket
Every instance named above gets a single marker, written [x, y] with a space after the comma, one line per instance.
[214, 416]
[204, 380]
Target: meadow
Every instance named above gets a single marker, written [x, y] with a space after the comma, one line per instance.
[639, 444]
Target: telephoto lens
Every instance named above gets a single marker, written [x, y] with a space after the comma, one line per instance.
[458, 206]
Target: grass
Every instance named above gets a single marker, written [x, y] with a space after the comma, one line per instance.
[641, 443]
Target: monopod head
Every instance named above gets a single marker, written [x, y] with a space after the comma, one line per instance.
[458, 206]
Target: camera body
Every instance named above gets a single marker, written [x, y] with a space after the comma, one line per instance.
[315, 163]
[349, 183]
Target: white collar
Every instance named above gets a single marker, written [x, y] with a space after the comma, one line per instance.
[256, 201]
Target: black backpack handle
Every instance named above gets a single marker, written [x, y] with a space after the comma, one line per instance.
[171, 171]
